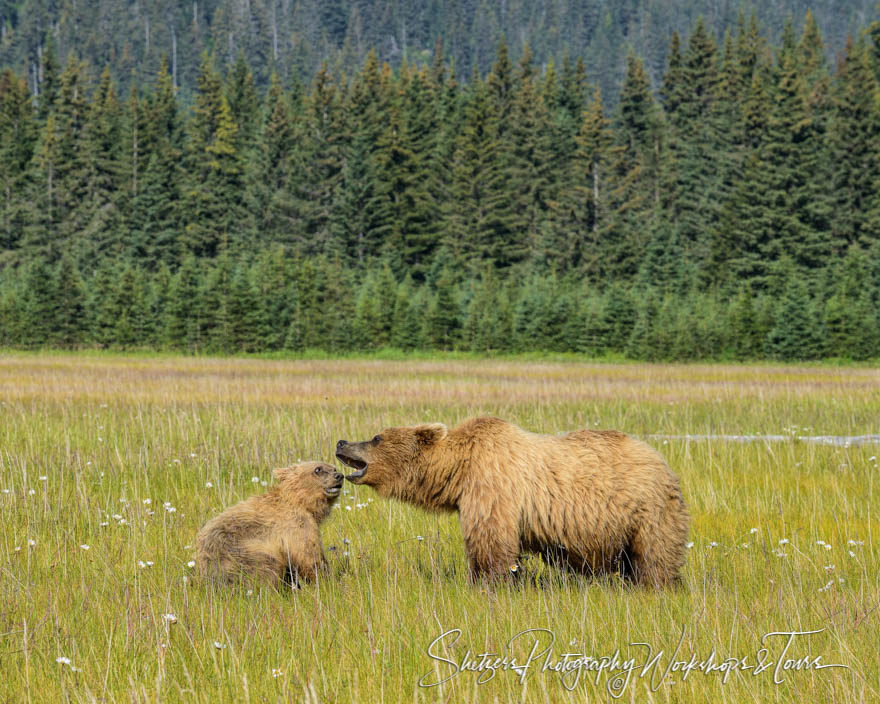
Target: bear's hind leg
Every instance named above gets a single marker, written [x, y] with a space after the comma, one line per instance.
[654, 557]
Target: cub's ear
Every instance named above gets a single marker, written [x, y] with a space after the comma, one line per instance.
[283, 473]
[430, 433]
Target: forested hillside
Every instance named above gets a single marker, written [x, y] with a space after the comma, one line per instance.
[290, 37]
[730, 210]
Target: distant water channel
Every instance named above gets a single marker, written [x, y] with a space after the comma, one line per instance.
[836, 440]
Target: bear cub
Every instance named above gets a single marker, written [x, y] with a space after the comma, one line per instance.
[274, 536]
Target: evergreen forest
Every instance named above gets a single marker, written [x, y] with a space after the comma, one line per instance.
[724, 204]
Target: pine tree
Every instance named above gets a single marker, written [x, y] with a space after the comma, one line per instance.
[696, 142]
[318, 166]
[69, 311]
[407, 317]
[442, 319]
[39, 324]
[480, 225]
[527, 175]
[270, 178]
[634, 175]
[854, 139]
[799, 332]
[244, 104]
[18, 137]
[183, 310]
[153, 164]
[583, 209]
[101, 146]
[216, 211]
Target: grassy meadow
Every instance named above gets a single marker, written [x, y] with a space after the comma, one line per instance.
[110, 464]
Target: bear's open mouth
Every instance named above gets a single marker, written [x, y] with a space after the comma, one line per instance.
[359, 466]
[333, 490]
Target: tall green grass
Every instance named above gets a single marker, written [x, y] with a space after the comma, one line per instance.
[116, 453]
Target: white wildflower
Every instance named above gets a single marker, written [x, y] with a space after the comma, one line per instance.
[208, 485]
[219, 645]
[276, 672]
[689, 545]
[753, 531]
[84, 546]
[62, 660]
[170, 618]
[784, 541]
[191, 563]
[44, 478]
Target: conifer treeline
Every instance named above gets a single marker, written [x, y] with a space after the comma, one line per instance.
[735, 215]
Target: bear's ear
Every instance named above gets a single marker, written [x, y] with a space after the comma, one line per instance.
[430, 433]
[282, 473]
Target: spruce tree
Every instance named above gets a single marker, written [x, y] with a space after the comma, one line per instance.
[18, 137]
[69, 313]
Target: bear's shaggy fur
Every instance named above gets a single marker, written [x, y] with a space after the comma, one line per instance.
[596, 501]
[273, 536]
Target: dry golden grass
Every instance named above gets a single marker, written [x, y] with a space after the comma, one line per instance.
[97, 450]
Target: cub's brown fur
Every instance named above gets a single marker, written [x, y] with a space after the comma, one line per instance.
[273, 536]
[594, 501]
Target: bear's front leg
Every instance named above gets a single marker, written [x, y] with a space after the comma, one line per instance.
[491, 538]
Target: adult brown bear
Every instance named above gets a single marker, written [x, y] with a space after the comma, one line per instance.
[597, 501]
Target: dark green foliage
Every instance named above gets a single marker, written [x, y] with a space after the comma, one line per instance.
[736, 216]
[798, 333]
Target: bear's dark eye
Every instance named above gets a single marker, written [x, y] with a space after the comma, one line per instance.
[376, 440]
[317, 470]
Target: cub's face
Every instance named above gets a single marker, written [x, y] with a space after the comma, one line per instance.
[315, 478]
[383, 461]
